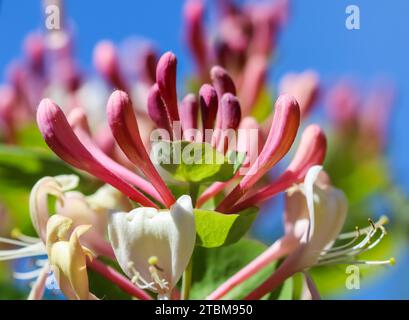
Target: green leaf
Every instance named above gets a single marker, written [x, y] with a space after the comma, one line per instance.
[212, 267]
[215, 229]
[195, 162]
[30, 136]
[284, 292]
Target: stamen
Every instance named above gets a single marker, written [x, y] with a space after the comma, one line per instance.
[13, 242]
[348, 252]
[27, 275]
[163, 284]
[154, 270]
[138, 280]
[17, 234]
[29, 250]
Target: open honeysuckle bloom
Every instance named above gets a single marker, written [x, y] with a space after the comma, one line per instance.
[154, 247]
[77, 210]
[314, 217]
[68, 257]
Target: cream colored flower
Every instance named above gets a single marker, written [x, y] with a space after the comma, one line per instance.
[68, 258]
[154, 247]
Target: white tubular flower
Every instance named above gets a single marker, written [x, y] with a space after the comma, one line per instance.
[154, 247]
[315, 214]
[81, 209]
[325, 208]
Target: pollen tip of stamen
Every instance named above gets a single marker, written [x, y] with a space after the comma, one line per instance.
[15, 233]
[392, 261]
[384, 220]
[153, 260]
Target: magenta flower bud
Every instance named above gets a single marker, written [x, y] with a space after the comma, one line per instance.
[8, 103]
[222, 81]
[342, 104]
[79, 123]
[310, 152]
[121, 119]
[107, 64]
[34, 48]
[254, 76]
[146, 61]
[230, 112]
[208, 105]
[281, 137]
[60, 137]
[8, 100]
[189, 112]
[195, 37]
[157, 109]
[304, 87]
[166, 80]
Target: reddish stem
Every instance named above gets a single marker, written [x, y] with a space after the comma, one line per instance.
[121, 281]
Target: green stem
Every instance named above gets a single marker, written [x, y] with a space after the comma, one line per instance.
[194, 192]
[187, 281]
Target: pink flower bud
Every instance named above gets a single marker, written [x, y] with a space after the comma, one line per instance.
[157, 109]
[188, 114]
[304, 87]
[60, 137]
[230, 112]
[107, 64]
[195, 37]
[222, 81]
[282, 134]
[166, 80]
[254, 76]
[208, 105]
[311, 151]
[121, 119]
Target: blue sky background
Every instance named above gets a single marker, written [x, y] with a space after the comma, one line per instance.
[316, 38]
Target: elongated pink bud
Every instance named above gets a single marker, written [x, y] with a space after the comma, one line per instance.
[195, 36]
[8, 103]
[78, 121]
[304, 87]
[282, 134]
[265, 22]
[222, 81]
[311, 151]
[253, 80]
[208, 105]
[107, 64]
[34, 48]
[121, 119]
[166, 80]
[228, 119]
[189, 111]
[60, 137]
[157, 109]
[146, 64]
[343, 103]
[230, 112]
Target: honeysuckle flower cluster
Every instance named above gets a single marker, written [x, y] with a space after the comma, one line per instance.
[146, 215]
